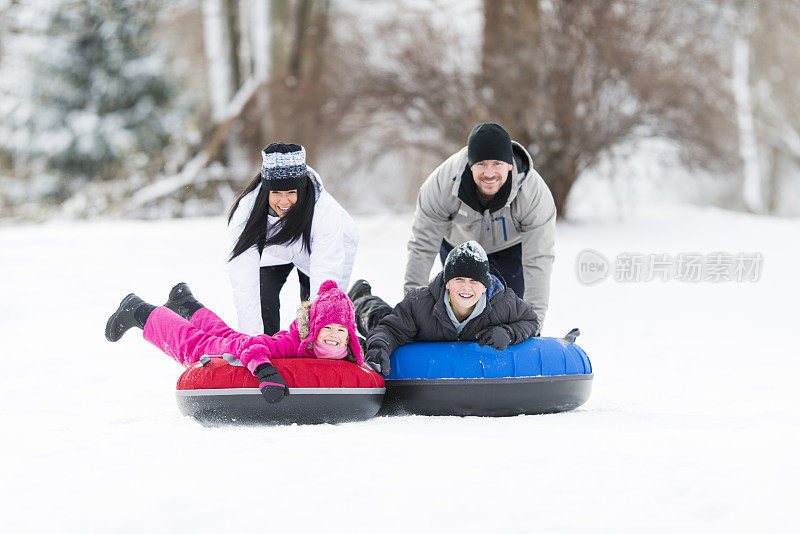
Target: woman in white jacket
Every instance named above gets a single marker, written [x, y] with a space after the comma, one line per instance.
[281, 220]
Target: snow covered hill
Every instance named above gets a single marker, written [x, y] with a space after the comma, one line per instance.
[691, 427]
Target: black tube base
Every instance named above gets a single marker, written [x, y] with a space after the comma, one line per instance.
[251, 408]
[494, 397]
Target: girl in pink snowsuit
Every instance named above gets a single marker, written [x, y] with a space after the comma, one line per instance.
[186, 330]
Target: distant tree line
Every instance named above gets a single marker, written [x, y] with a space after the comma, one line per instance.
[115, 107]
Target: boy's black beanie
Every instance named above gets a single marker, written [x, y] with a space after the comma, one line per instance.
[468, 260]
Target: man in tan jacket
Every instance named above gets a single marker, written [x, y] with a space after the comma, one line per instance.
[488, 192]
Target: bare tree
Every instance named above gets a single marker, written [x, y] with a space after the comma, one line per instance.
[228, 52]
[569, 80]
[578, 78]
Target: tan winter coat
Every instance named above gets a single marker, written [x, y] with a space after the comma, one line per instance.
[528, 217]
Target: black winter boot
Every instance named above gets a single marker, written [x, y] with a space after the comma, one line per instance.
[360, 288]
[132, 311]
[182, 302]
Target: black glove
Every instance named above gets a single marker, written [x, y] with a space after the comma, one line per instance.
[272, 386]
[495, 336]
[379, 358]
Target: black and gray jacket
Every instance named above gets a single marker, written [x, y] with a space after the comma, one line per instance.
[422, 316]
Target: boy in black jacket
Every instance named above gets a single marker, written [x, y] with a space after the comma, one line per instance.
[462, 303]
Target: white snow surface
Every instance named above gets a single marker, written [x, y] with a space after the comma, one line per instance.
[691, 425]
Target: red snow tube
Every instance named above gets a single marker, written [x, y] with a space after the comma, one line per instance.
[215, 392]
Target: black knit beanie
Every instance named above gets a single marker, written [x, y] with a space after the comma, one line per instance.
[283, 167]
[468, 260]
[489, 141]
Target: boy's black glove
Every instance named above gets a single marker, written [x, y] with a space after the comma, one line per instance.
[495, 336]
[379, 358]
[272, 386]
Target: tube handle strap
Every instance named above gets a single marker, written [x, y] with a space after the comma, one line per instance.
[229, 358]
[572, 335]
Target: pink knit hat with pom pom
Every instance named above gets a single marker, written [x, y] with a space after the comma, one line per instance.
[333, 306]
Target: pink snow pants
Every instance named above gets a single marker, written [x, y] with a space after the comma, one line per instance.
[204, 335]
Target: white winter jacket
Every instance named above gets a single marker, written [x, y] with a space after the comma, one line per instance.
[334, 238]
[528, 218]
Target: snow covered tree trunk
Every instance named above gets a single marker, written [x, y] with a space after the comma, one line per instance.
[775, 68]
[748, 147]
[260, 38]
[220, 53]
[217, 45]
[244, 42]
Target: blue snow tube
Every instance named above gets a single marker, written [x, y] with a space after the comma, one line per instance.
[539, 375]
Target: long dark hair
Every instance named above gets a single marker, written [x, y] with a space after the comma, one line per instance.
[296, 224]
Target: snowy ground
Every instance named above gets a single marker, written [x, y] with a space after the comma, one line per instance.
[692, 424]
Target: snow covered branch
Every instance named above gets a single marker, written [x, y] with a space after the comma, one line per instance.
[193, 167]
